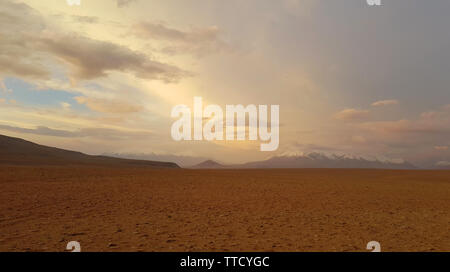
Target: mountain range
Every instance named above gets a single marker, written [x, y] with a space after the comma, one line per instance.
[311, 160]
[16, 151]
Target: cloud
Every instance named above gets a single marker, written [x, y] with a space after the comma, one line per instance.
[3, 87]
[85, 19]
[125, 3]
[404, 126]
[16, 56]
[352, 115]
[10, 65]
[108, 133]
[302, 147]
[90, 58]
[359, 139]
[66, 106]
[108, 106]
[199, 41]
[429, 128]
[159, 31]
[443, 163]
[28, 43]
[385, 103]
[41, 130]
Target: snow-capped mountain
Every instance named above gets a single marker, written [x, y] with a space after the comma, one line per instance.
[319, 160]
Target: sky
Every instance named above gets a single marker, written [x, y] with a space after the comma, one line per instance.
[350, 78]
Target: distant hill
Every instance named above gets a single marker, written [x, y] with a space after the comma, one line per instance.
[209, 164]
[314, 160]
[182, 161]
[16, 151]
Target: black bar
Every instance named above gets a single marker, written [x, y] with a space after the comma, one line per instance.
[230, 261]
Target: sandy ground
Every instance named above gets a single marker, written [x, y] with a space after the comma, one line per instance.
[123, 209]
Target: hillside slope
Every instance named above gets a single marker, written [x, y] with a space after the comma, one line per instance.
[16, 151]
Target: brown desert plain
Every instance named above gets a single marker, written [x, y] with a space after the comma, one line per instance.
[42, 208]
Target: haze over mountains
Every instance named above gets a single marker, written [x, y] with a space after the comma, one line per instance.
[22, 152]
[16, 151]
[310, 160]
